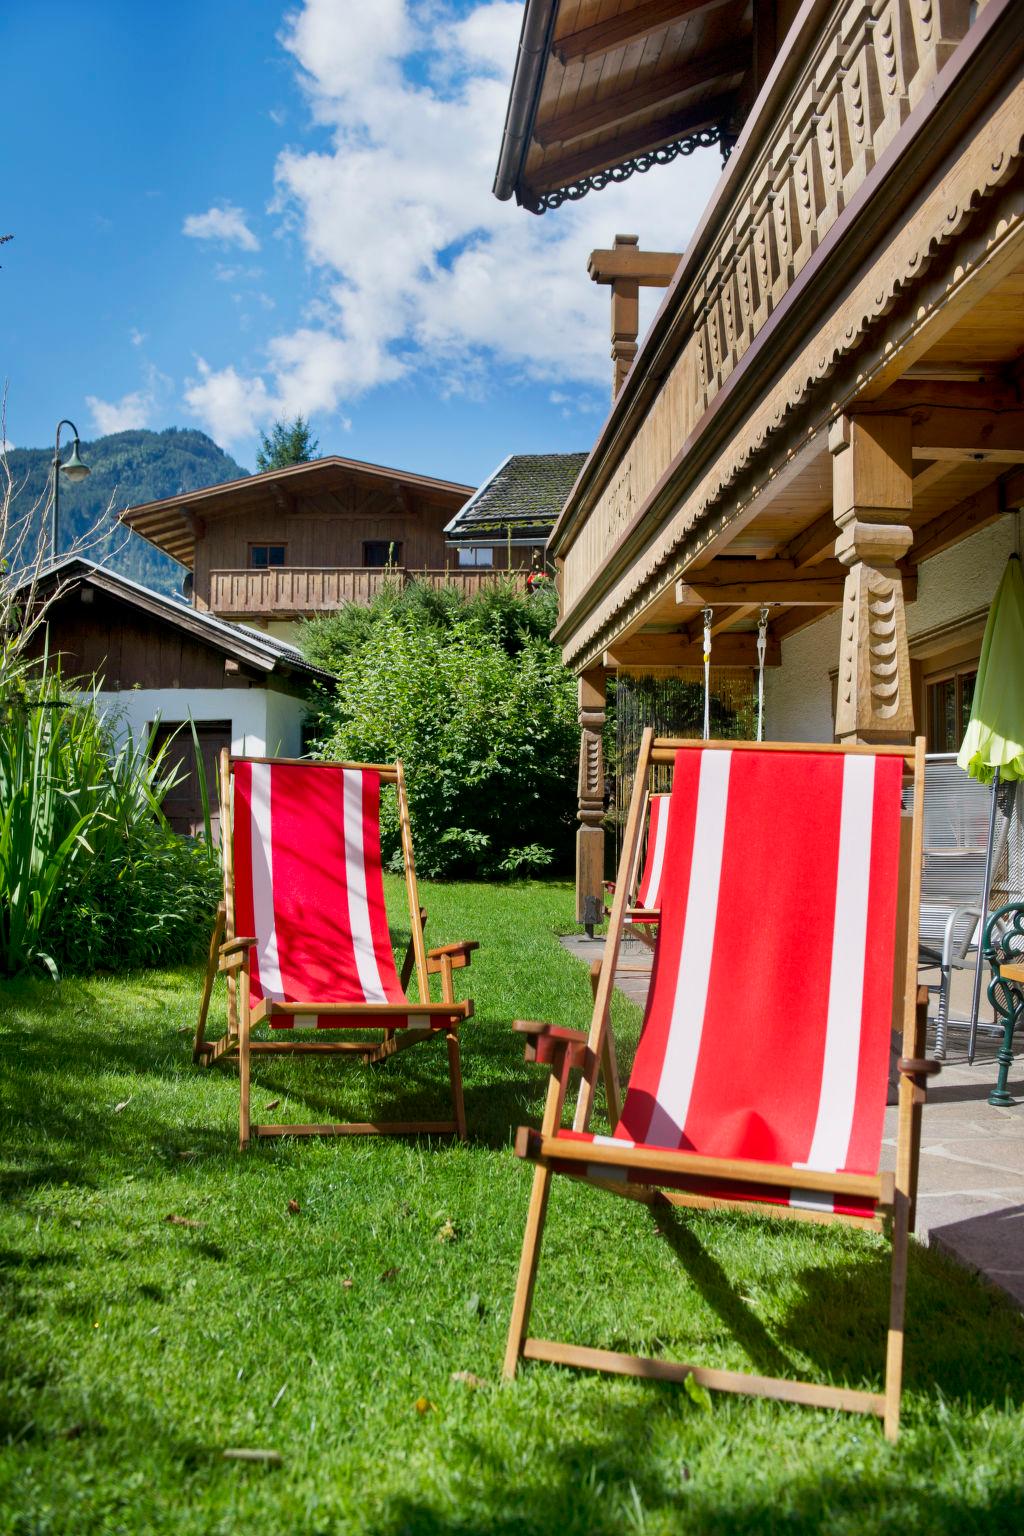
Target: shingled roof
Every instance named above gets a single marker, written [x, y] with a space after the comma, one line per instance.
[522, 498]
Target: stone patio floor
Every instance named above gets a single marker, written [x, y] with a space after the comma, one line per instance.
[971, 1182]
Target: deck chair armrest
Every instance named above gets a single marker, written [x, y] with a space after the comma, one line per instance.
[230, 945]
[547, 1044]
[235, 953]
[459, 956]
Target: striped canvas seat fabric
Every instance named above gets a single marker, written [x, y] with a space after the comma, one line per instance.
[648, 896]
[309, 887]
[767, 1030]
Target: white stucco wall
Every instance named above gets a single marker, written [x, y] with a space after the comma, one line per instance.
[951, 586]
[263, 723]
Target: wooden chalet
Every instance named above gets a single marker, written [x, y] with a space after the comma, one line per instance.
[281, 546]
[156, 661]
[507, 521]
[825, 417]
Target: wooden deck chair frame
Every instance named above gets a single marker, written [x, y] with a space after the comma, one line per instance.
[563, 1050]
[643, 921]
[229, 956]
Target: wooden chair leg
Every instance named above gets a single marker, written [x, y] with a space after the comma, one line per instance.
[523, 1299]
[897, 1308]
[211, 976]
[609, 1061]
[244, 1120]
[455, 1075]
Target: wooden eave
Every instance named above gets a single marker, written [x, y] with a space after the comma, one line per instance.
[593, 91]
[928, 139]
[171, 524]
[229, 639]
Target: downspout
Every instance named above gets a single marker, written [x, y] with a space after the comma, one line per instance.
[534, 41]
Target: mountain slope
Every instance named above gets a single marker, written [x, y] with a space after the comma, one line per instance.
[126, 468]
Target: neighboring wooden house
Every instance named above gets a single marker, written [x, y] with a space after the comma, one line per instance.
[509, 519]
[825, 417]
[281, 546]
[156, 659]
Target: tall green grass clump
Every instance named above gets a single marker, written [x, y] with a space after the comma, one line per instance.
[474, 698]
[91, 875]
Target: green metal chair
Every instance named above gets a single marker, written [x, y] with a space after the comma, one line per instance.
[1002, 944]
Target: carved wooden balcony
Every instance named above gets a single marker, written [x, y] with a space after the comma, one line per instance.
[849, 76]
[291, 591]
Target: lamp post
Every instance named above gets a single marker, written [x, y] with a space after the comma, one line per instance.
[75, 471]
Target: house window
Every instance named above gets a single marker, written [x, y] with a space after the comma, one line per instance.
[476, 554]
[379, 552]
[262, 556]
[949, 707]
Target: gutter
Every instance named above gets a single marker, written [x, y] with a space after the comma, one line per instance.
[534, 42]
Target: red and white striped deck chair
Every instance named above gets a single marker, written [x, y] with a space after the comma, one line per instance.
[641, 915]
[303, 936]
[760, 1078]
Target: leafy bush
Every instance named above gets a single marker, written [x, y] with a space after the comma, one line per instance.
[91, 876]
[474, 699]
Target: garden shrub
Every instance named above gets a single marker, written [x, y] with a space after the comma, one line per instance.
[474, 699]
[91, 875]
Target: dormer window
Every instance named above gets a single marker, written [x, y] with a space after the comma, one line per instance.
[262, 556]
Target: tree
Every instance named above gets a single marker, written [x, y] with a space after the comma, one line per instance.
[288, 443]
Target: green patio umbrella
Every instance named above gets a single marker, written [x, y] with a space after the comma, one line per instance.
[993, 746]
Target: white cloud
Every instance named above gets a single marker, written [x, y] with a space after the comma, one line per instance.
[420, 268]
[134, 409]
[233, 407]
[136, 337]
[226, 224]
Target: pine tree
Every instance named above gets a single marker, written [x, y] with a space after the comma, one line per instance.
[288, 443]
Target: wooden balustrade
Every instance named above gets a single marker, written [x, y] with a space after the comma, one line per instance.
[868, 64]
[290, 591]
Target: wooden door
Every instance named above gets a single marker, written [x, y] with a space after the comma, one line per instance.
[183, 806]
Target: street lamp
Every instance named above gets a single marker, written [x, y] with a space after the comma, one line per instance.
[75, 471]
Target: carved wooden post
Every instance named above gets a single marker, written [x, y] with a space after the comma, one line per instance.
[872, 498]
[590, 837]
[625, 325]
[627, 269]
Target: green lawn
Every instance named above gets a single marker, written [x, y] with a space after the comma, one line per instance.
[134, 1350]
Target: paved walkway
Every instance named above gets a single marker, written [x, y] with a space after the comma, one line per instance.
[971, 1183]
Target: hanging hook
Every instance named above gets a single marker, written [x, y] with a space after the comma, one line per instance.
[708, 617]
[762, 651]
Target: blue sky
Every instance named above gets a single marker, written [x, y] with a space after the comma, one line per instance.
[224, 213]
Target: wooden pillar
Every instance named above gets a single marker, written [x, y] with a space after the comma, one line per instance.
[872, 474]
[625, 319]
[590, 837]
[626, 269]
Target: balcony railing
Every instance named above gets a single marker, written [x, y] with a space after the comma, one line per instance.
[294, 591]
[852, 72]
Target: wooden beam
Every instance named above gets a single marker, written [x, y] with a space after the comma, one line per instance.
[967, 517]
[678, 650]
[651, 269]
[716, 584]
[968, 432]
[628, 27]
[930, 475]
[665, 86]
[665, 130]
[813, 543]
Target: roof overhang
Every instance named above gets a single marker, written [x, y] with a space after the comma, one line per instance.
[263, 653]
[174, 523]
[595, 98]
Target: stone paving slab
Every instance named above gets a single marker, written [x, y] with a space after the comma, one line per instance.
[971, 1180]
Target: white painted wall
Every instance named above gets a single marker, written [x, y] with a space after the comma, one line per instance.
[798, 695]
[264, 723]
